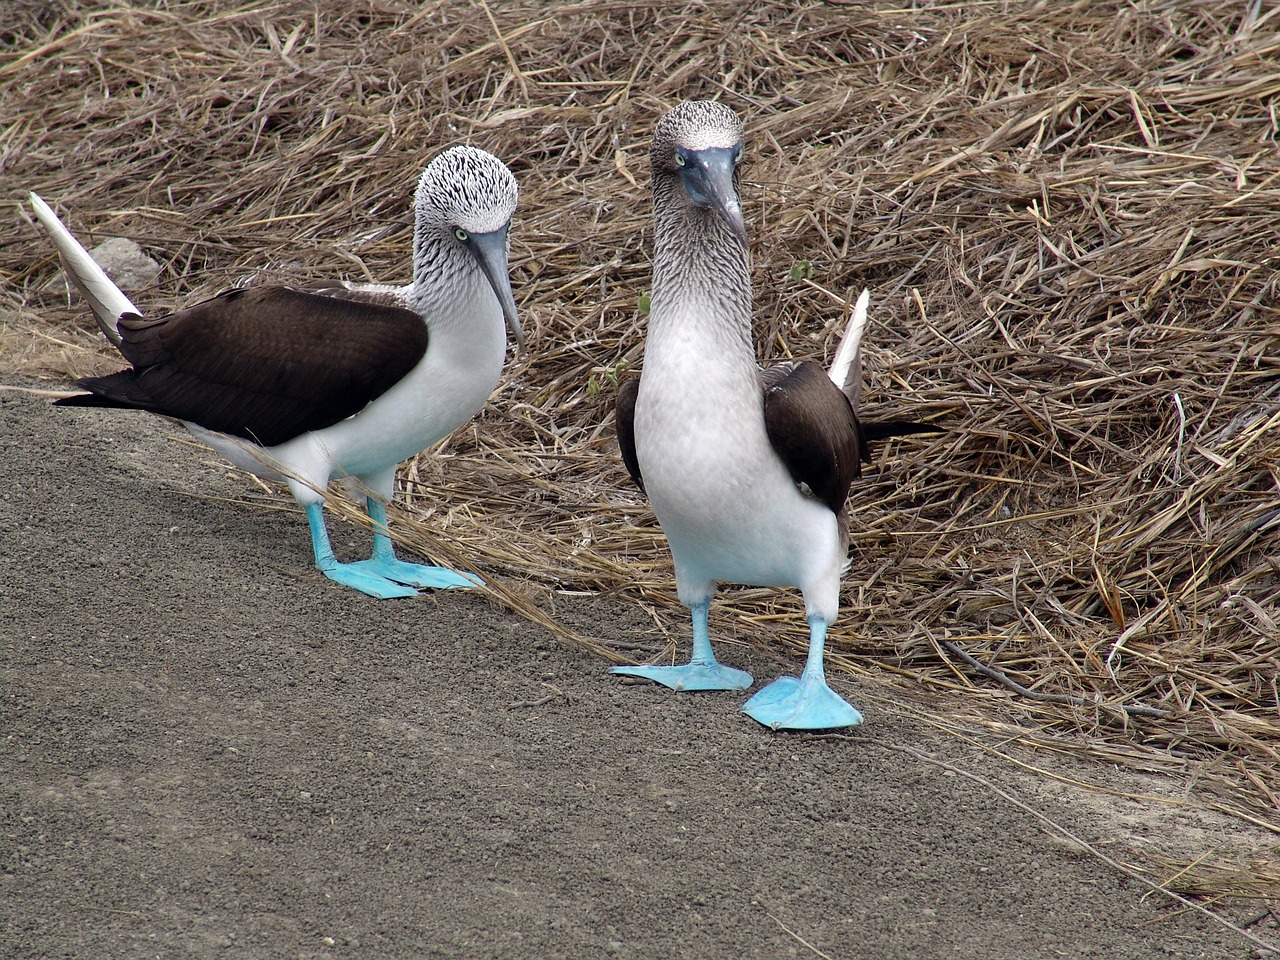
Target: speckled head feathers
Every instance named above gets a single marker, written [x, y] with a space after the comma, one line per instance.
[694, 125]
[467, 187]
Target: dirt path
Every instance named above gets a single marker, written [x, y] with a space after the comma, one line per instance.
[209, 750]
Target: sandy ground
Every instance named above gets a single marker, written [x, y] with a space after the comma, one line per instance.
[211, 751]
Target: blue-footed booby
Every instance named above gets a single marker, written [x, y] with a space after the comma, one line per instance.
[338, 380]
[747, 469]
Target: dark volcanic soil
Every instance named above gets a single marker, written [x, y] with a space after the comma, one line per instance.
[209, 750]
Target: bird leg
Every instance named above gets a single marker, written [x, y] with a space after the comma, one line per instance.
[347, 574]
[702, 672]
[383, 562]
[806, 703]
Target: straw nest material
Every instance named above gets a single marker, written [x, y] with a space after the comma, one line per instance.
[1066, 214]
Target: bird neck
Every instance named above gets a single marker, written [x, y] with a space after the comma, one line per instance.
[432, 265]
[701, 274]
[441, 278]
[462, 314]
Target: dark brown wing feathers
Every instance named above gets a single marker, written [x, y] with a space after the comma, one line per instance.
[263, 363]
[812, 427]
[625, 420]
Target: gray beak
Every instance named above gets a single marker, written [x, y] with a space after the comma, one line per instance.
[490, 251]
[708, 179]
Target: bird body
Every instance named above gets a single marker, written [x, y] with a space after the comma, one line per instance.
[727, 503]
[452, 379]
[341, 380]
[747, 469]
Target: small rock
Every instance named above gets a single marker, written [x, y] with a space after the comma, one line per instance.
[125, 263]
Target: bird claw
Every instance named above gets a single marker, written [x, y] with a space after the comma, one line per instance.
[791, 703]
[691, 676]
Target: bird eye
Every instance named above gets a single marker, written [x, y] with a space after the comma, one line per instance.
[461, 234]
[679, 159]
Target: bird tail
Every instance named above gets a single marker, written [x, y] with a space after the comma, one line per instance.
[883, 429]
[107, 301]
[846, 373]
[846, 368]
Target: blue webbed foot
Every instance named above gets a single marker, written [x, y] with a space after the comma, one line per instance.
[702, 672]
[804, 703]
[691, 676]
[418, 574]
[352, 575]
[382, 575]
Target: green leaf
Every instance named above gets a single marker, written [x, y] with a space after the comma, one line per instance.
[802, 270]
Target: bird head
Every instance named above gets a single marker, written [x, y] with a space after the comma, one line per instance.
[467, 196]
[700, 141]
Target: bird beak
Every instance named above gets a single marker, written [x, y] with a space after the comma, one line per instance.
[490, 251]
[708, 179]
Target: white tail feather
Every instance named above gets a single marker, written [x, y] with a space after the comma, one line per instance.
[846, 368]
[107, 301]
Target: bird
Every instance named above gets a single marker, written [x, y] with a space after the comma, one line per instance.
[306, 384]
[747, 469]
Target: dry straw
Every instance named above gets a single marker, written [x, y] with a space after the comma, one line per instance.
[1067, 215]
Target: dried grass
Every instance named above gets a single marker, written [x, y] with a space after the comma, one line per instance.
[1066, 214]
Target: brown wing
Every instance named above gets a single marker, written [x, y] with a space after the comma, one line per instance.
[625, 425]
[263, 363]
[812, 427]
